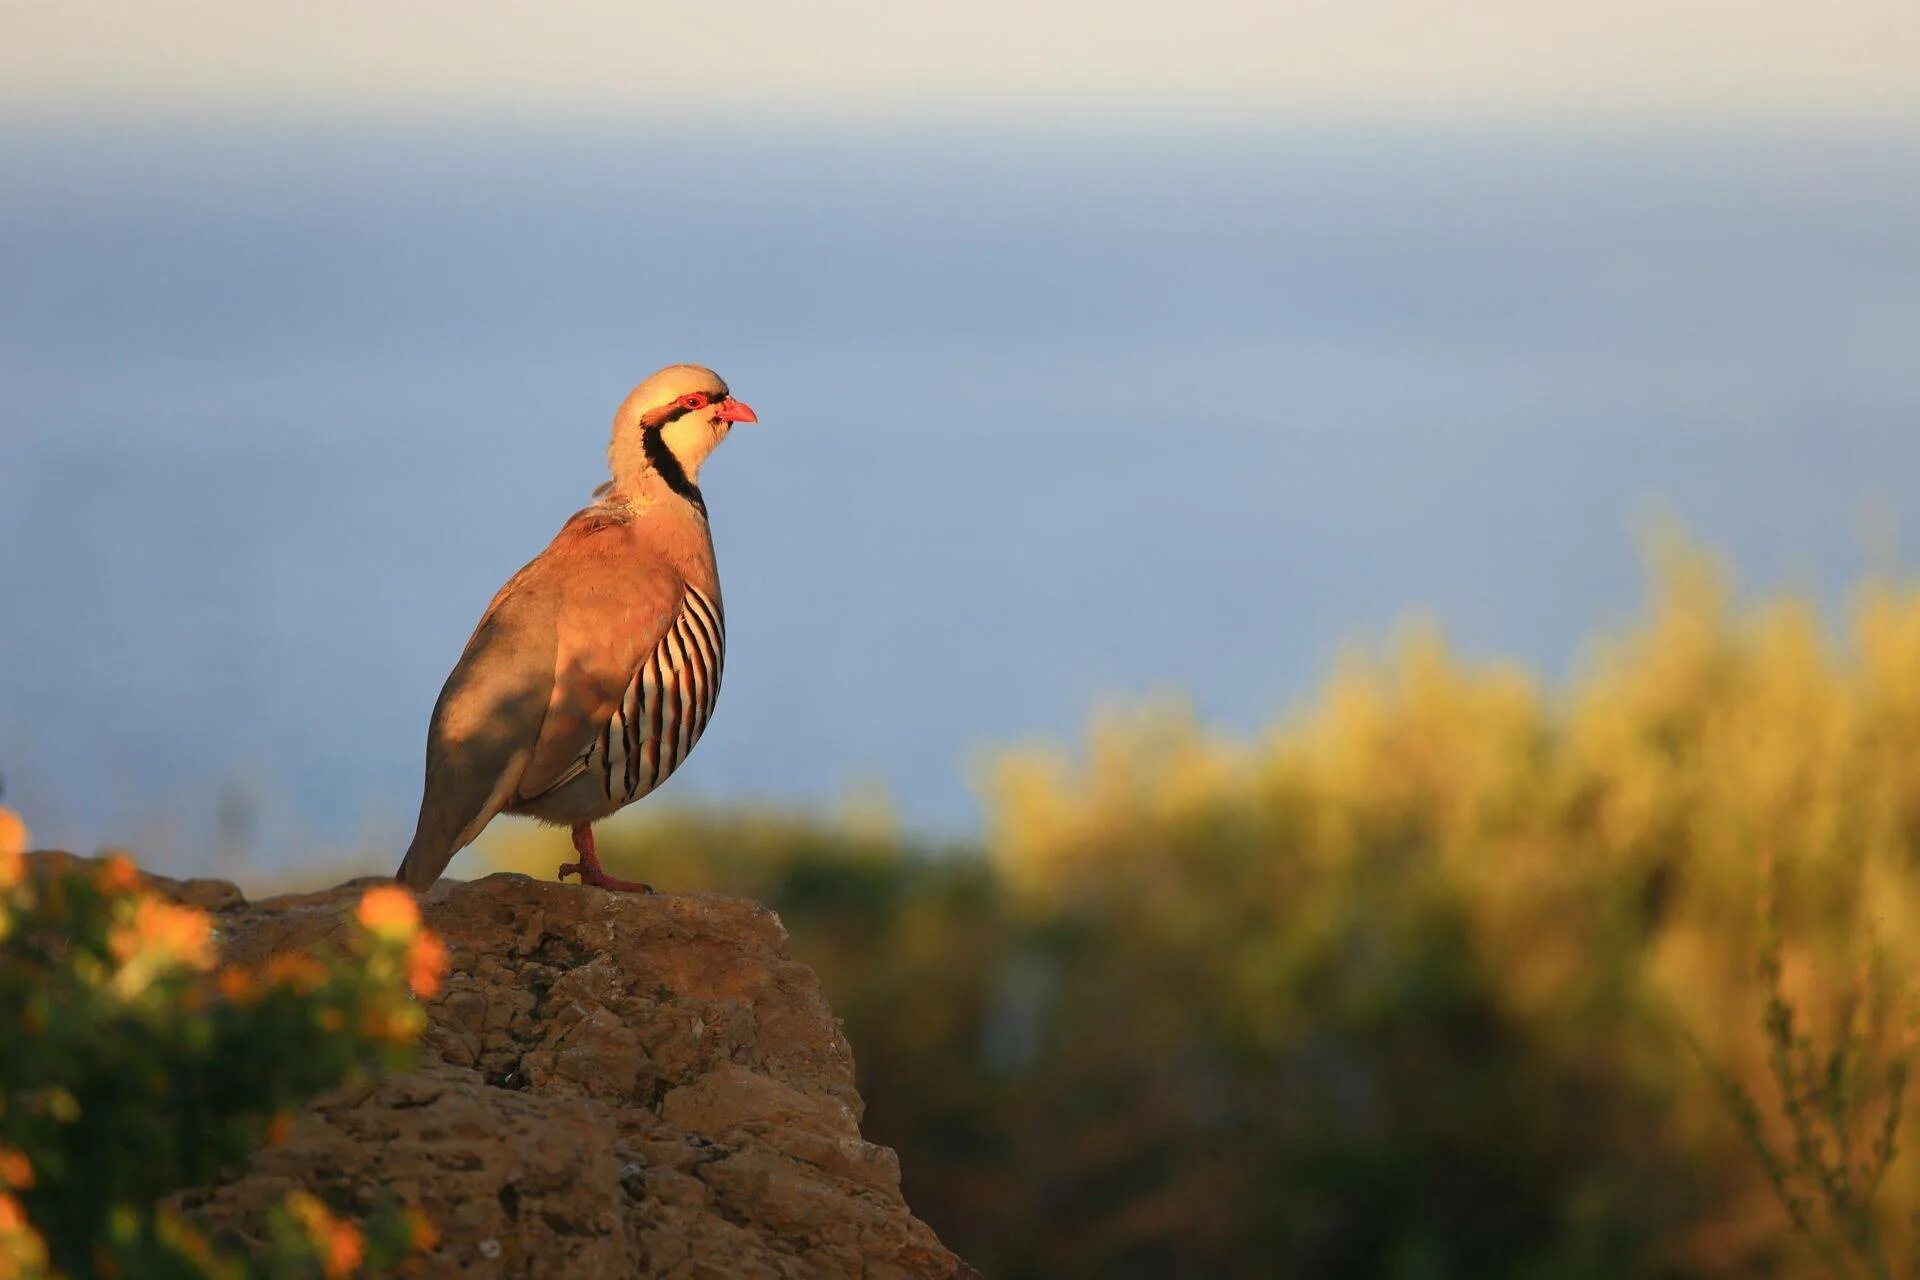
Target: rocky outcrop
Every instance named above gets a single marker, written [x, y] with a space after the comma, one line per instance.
[611, 1085]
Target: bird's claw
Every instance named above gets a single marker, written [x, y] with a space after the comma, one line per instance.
[599, 879]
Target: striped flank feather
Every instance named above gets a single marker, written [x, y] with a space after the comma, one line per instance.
[666, 707]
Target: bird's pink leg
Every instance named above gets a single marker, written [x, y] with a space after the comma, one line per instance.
[589, 865]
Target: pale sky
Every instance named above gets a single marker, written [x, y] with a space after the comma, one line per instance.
[1500, 59]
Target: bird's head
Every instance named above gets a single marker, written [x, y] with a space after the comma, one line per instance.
[670, 423]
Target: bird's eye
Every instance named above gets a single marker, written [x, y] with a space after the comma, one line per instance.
[693, 400]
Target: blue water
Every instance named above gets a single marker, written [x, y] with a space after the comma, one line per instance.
[1043, 420]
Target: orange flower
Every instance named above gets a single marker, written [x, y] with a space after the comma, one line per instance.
[238, 985]
[14, 840]
[344, 1251]
[426, 963]
[311, 1214]
[22, 1251]
[119, 875]
[184, 1238]
[15, 1169]
[339, 1244]
[421, 1233]
[389, 911]
[13, 867]
[179, 933]
[155, 937]
[297, 970]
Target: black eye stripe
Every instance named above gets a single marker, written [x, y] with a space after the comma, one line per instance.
[676, 410]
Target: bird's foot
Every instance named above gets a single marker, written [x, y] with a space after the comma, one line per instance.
[589, 869]
[593, 875]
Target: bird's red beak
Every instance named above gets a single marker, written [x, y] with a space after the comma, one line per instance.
[732, 410]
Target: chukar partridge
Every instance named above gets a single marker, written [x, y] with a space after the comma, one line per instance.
[595, 669]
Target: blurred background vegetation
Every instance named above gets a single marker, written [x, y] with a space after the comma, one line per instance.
[1441, 977]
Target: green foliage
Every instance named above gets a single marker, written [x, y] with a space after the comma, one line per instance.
[134, 1068]
[1404, 987]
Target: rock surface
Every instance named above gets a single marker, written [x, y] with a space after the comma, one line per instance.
[611, 1085]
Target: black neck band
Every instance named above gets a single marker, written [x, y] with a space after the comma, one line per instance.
[668, 467]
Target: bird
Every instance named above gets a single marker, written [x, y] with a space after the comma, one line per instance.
[596, 668]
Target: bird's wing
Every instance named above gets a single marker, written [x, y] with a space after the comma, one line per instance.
[636, 744]
[540, 677]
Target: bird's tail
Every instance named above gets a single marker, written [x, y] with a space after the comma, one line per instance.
[421, 867]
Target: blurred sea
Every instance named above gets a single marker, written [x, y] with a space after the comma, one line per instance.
[1043, 420]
